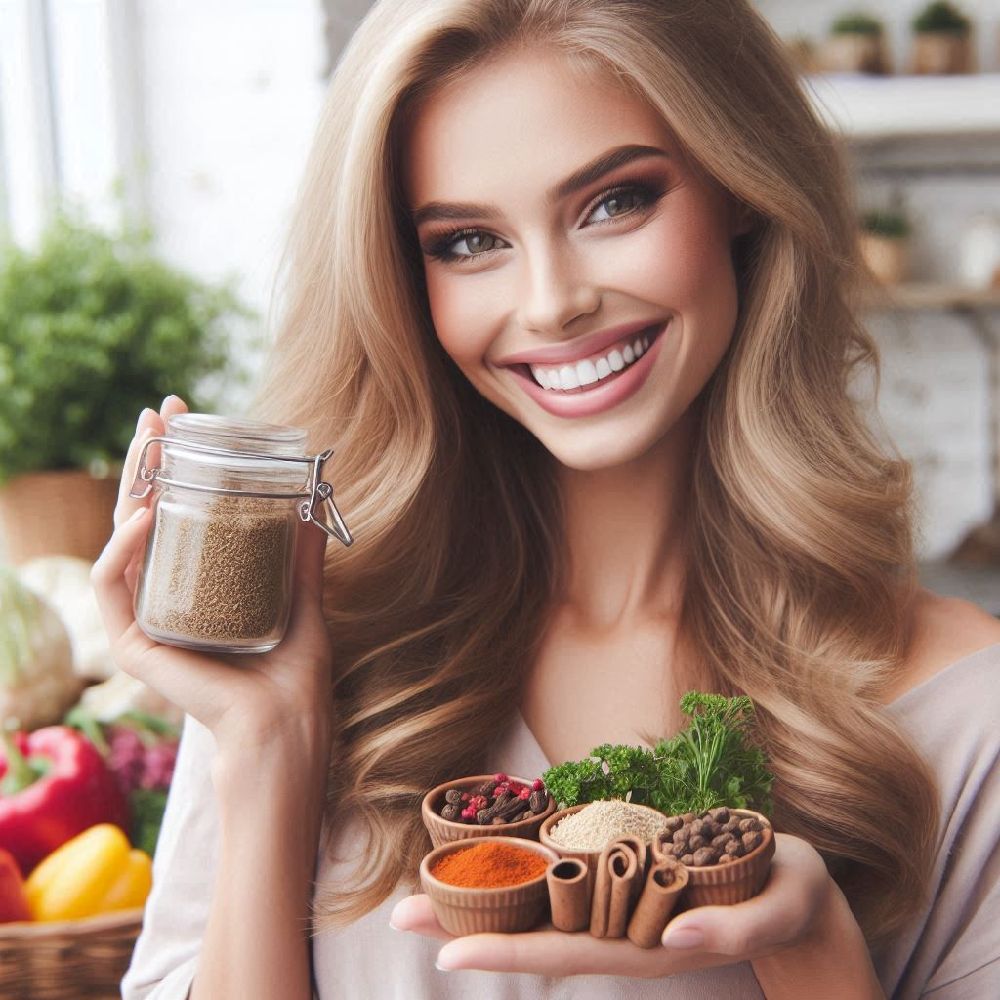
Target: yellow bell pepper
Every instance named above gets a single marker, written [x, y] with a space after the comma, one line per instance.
[95, 872]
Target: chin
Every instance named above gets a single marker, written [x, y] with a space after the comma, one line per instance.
[585, 454]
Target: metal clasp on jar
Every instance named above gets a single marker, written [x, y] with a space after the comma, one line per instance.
[316, 493]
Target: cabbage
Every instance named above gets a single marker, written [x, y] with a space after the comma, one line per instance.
[37, 683]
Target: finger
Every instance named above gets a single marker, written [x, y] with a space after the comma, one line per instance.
[114, 595]
[556, 953]
[415, 914]
[778, 914]
[310, 560]
[170, 407]
[148, 425]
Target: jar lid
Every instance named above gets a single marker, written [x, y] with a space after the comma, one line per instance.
[196, 442]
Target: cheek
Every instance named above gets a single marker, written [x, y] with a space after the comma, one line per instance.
[461, 307]
[680, 261]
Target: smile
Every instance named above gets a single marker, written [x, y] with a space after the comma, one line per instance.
[577, 377]
[596, 383]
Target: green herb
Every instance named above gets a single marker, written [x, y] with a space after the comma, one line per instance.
[93, 328]
[941, 16]
[712, 762]
[857, 24]
[146, 806]
[892, 225]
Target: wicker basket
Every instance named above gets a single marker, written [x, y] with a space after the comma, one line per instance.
[67, 960]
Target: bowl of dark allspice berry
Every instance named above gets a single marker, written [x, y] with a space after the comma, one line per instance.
[486, 805]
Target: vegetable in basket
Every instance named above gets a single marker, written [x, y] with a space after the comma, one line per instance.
[13, 903]
[53, 784]
[37, 683]
[98, 871]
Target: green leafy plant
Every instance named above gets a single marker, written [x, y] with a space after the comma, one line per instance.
[712, 762]
[857, 23]
[941, 16]
[92, 329]
[892, 225]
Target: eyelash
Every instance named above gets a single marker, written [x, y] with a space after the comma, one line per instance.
[648, 196]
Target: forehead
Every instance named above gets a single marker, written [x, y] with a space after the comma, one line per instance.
[524, 119]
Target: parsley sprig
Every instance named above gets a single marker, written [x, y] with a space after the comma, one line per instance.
[713, 762]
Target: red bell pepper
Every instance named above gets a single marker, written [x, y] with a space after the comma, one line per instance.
[54, 784]
[13, 903]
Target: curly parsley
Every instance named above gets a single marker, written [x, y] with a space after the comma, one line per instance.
[712, 762]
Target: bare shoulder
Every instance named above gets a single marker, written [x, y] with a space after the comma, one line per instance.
[945, 630]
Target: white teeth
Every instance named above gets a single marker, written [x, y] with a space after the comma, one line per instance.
[544, 377]
[586, 372]
[567, 377]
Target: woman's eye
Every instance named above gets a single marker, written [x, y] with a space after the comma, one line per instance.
[620, 202]
[475, 241]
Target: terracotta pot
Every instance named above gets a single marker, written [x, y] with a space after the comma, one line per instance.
[941, 53]
[885, 256]
[65, 513]
[855, 54]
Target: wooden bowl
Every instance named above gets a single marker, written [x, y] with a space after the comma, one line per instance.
[461, 910]
[589, 858]
[444, 831]
[736, 881]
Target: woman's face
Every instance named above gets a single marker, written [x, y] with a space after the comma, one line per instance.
[578, 268]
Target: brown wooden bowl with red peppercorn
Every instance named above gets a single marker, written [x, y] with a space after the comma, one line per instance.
[496, 813]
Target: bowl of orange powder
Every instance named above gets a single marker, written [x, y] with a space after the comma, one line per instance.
[490, 884]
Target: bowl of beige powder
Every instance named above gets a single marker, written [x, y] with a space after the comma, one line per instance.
[583, 831]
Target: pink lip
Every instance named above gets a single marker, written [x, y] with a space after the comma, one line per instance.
[601, 397]
[575, 350]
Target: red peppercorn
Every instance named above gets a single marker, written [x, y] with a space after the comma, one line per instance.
[524, 793]
[501, 777]
[466, 796]
[537, 785]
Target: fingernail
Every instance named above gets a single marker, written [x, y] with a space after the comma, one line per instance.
[684, 937]
[393, 926]
[441, 968]
[142, 417]
[166, 399]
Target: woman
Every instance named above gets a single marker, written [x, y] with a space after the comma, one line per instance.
[570, 290]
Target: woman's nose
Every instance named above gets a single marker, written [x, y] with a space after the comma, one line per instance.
[556, 289]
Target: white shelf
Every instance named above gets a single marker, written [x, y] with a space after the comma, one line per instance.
[867, 108]
[916, 297]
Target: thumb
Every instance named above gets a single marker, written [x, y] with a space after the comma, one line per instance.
[721, 930]
[310, 558]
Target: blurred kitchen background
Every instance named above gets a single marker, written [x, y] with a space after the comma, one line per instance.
[195, 116]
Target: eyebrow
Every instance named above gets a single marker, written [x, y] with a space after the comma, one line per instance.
[442, 211]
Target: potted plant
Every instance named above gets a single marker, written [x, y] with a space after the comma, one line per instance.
[942, 40]
[884, 244]
[856, 45]
[92, 329]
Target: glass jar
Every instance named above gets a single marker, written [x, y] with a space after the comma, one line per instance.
[226, 501]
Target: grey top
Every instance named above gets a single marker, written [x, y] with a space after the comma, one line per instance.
[952, 952]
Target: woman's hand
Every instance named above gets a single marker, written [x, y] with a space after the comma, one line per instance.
[248, 700]
[798, 932]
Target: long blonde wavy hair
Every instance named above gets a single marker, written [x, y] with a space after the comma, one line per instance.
[799, 581]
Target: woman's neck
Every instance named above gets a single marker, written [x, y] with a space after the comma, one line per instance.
[625, 535]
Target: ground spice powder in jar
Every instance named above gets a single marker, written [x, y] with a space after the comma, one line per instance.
[222, 572]
[489, 866]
